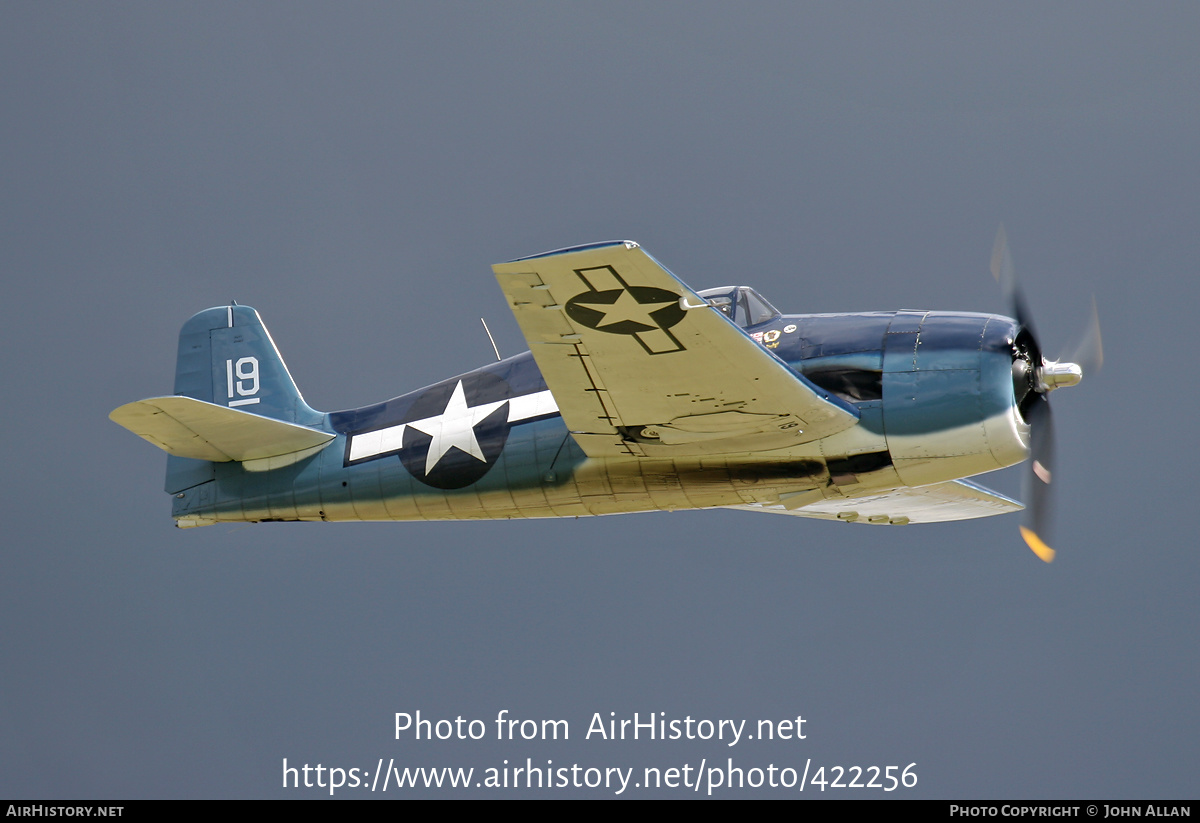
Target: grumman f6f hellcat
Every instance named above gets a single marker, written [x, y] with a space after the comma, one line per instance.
[637, 394]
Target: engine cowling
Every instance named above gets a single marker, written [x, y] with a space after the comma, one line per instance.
[950, 395]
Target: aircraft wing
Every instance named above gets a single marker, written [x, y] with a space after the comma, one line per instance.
[640, 365]
[952, 500]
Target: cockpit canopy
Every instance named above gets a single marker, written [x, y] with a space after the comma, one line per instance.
[742, 304]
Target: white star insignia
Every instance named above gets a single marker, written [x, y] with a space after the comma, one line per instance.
[454, 428]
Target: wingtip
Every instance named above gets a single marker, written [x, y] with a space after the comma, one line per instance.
[629, 244]
[1036, 543]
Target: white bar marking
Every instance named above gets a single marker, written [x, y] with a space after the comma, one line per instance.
[391, 439]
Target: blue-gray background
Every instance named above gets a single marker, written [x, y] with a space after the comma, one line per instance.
[352, 172]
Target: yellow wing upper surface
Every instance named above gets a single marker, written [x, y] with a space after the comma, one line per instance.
[639, 365]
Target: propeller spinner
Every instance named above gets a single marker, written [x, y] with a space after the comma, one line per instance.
[1034, 377]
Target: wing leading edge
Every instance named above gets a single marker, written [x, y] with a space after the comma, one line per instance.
[639, 365]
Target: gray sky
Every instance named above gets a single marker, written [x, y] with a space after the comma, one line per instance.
[353, 171]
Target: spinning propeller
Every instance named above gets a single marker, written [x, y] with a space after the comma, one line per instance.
[1034, 377]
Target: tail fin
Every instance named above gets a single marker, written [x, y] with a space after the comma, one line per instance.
[243, 404]
[227, 357]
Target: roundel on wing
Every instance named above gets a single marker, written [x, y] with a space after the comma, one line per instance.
[631, 310]
[455, 431]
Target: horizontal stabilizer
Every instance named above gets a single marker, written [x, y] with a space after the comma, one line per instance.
[953, 500]
[186, 427]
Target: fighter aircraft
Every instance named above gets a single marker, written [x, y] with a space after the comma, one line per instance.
[637, 394]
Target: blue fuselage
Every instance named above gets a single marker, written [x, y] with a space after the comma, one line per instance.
[933, 390]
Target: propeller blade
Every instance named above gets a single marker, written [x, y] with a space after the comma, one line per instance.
[1088, 353]
[1037, 494]
[1002, 267]
[1006, 275]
